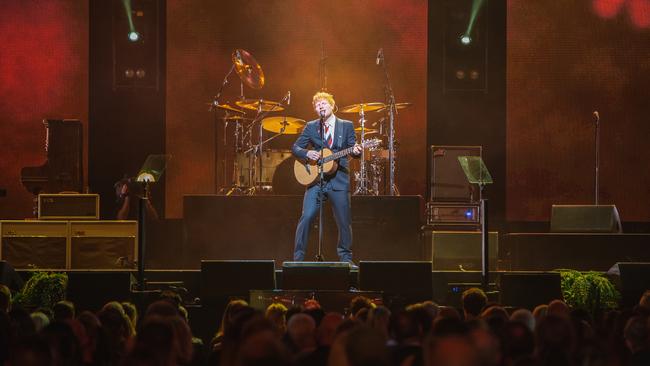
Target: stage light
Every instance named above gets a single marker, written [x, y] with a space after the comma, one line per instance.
[134, 36]
[465, 39]
[460, 74]
[129, 73]
[140, 73]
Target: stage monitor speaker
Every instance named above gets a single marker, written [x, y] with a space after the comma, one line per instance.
[34, 244]
[448, 182]
[90, 290]
[316, 276]
[103, 244]
[410, 281]
[527, 290]
[461, 250]
[72, 206]
[221, 279]
[634, 281]
[585, 219]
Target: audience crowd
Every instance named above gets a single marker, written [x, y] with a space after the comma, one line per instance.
[481, 334]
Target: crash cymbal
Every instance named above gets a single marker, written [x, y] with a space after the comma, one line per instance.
[225, 107]
[367, 107]
[397, 106]
[286, 125]
[266, 105]
[249, 71]
[367, 132]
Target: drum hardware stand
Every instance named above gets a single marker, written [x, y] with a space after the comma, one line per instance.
[362, 188]
[392, 111]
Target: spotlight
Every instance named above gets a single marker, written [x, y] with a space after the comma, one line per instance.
[129, 73]
[460, 74]
[134, 36]
[465, 39]
[140, 73]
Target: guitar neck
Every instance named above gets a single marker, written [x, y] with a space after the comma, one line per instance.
[338, 154]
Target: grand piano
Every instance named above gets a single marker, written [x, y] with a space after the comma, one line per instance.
[63, 169]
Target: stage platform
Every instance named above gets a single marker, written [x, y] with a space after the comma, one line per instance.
[260, 227]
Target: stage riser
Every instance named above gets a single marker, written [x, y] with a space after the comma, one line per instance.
[261, 227]
[583, 252]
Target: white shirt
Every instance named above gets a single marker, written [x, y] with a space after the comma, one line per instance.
[331, 123]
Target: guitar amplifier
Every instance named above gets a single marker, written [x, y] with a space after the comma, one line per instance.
[34, 244]
[72, 206]
[103, 244]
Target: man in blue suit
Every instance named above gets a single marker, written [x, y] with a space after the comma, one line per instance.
[338, 135]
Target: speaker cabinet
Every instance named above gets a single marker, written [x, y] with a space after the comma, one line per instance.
[68, 206]
[527, 290]
[34, 244]
[461, 250]
[315, 276]
[408, 281]
[221, 279]
[585, 219]
[103, 244]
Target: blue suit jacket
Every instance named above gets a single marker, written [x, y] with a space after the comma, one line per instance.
[343, 139]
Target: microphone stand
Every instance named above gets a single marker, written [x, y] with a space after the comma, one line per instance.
[392, 111]
[321, 188]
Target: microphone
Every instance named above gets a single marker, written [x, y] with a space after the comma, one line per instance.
[322, 113]
[289, 97]
[597, 116]
[380, 55]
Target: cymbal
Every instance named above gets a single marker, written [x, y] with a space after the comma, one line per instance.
[249, 71]
[367, 132]
[226, 107]
[236, 117]
[367, 107]
[290, 125]
[266, 105]
[397, 106]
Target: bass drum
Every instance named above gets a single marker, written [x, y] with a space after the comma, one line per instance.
[284, 181]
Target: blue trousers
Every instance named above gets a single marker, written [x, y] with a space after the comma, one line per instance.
[340, 201]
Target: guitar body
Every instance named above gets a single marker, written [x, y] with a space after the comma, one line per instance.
[306, 171]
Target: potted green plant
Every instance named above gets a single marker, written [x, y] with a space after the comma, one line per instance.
[591, 291]
[43, 289]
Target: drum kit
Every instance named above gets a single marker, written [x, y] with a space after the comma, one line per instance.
[255, 167]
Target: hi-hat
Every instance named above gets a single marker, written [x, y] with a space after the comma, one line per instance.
[397, 106]
[286, 125]
[368, 131]
[261, 104]
[367, 107]
[225, 107]
[249, 71]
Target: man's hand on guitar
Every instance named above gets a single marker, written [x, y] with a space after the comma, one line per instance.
[313, 155]
[357, 149]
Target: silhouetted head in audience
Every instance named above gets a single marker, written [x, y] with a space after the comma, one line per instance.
[446, 312]
[644, 301]
[162, 308]
[555, 341]
[517, 341]
[301, 329]
[21, 322]
[558, 308]
[155, 341]
[326, 331]
[232, 308]
[636, 334]
[379, 318]
[131, 312]
[64, 346]
[473, 299]
[450, 350]
[63, 310]
[360, 345]
[422, 315]
[276, 313]
[495, 317]
[358, 303]
[525, 317]
[540, 313]
[261, 345]
[486, 343]
[40, 320]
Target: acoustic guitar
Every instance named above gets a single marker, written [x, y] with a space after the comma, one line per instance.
[306, 171]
